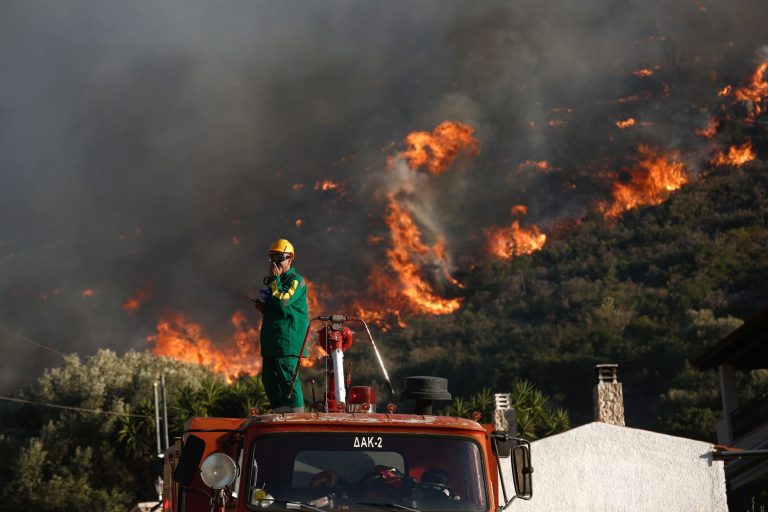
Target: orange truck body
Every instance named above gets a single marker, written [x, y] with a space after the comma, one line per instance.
[237, 437]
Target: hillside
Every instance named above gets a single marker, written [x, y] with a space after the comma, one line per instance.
[646, 291]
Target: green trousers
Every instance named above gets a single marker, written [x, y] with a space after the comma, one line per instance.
[276, 374]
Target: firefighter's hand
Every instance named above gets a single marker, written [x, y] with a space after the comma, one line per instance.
[274, 270]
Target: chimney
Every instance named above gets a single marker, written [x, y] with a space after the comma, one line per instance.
[608, 396]
[504, 417]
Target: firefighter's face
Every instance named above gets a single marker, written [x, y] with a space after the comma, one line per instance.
[281, 259]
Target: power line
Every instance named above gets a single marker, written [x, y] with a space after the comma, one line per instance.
[71, 408]
[19, 337]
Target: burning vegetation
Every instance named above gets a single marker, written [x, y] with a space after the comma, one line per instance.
[513, 241]
[404, 257]
[179, 339]
[134, 302]
[649, 182]
[413, 272]
[736, 156]
[752, 96]
[435, 152]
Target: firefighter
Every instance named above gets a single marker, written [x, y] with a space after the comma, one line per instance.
[283, 328]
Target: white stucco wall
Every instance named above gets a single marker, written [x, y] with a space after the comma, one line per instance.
[605, 467]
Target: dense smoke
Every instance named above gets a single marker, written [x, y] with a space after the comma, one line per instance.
[154, 150]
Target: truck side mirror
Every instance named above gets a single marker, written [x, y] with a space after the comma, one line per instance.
[522, 470]
[189, 461]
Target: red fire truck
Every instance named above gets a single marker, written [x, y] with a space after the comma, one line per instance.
[348, 456]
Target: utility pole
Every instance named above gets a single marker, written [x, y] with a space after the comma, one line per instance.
[157, 421]
[165, 413]
[159, 479]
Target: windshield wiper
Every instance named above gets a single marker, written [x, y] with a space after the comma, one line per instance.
[301, 504]
[387, 505]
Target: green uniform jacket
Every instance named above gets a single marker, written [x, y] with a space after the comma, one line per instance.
[285, 316]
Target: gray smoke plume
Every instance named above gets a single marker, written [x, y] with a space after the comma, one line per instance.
[164, 145]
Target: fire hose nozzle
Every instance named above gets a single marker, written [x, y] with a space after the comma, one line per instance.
[333, 318]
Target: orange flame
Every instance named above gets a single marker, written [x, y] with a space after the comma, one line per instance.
[542, 165]
[315, 352]
[515, 241]
[641, 73]
[327, 185]
[384, 302]
[710, 130]
[134, 302]
[626, 123]
[407, 243]
[90, 292]
[725, 91]
[314, 305]
[298, 223]
[520, 210]
[650, 182]
[402, 287]
[185, 341]
[756, 92]
[737, 155]
[436, 152]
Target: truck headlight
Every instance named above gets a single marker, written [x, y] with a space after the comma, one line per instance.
[218, 470]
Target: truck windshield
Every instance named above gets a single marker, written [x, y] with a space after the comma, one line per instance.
[363, 471]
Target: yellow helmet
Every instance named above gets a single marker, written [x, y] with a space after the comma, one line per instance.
[282, 245]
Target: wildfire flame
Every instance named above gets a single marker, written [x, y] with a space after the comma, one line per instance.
[757, 91]
[327, 185]
[90, 292]
[515, 241]
[315, 352]
[654, 177]
[185, 341]
[436, 151]
[641, 73]
[541, 165]
[386, 310]
[710, 130]
[407, 244]
[626, 123]
[134, 302]
[737, 155]
[401, 286]
[314, 292]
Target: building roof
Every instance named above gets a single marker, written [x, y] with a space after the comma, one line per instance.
[746, 348]
[603, 467]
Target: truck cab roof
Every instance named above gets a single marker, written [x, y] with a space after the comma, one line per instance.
[344, 420]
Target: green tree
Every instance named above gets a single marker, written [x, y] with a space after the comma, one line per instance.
[79, 460]
[535, 418]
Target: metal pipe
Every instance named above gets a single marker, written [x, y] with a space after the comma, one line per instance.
[165, 412]
[337, 356]
[376, 351]
[157, 421]
[738, 454]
